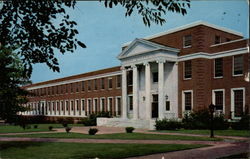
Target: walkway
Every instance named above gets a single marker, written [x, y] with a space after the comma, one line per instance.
[217, 148]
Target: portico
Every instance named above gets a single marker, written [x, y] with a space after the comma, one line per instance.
[152, 66]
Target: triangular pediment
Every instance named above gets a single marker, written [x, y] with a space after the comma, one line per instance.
[140, 46]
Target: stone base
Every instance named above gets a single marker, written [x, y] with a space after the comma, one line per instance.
[120, 122]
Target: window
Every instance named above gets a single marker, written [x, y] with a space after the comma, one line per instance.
[218, 99]
[77, 105]
[71, 87]
[72, 105]
[95, 84]
[155, 76]
[118, 81]
[58, 106]
[77, 86]
[110, 83]
[187, 69]
[95, 104]
[218, 67]
[238, 65]
[83, 86]
[238, 102]
[102, 104]
[67, 105]
[102, 83]
[167, 105]
[61, 105]
[110, 105]
[130, 78]
[187, 100]
[118, 104]
[130, 100]
[83, 104]
[187, 41]
[89, 85]
[217, 39]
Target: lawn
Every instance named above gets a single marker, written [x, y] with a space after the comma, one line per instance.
[43, 150]
[127, 136]
[230, 132]
[41, 127]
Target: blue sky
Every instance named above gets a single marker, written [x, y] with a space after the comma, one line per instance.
[104, 31]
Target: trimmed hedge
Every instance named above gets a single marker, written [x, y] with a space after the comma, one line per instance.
[93, 131]
[91, 120]
[242, 124]
[167, 124]
[130, 129]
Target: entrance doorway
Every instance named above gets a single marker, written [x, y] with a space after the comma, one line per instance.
[155, 106]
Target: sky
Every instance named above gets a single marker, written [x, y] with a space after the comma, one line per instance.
[105, 30]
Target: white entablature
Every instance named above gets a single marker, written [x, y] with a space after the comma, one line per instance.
[141, 51]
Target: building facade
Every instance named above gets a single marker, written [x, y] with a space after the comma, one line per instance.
[161, 76]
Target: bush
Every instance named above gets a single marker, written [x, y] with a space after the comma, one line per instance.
[242, 124]
[93, 131]
[50, 128]
[65, 125]
[91, 120]
[167, 124]
[67, 129]
[35, 126]
[201, 120]
[130, 129]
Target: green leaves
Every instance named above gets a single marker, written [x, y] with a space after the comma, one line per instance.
[151, 11]
[29, 25]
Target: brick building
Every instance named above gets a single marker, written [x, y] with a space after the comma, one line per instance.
[161, 76]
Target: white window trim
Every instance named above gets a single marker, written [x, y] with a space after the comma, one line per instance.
[61, 108]
[116, 103]
[101, 104]
[89, 99]
[232, 101]
[233, 67]
[184, 71]
[77, 111]
[66, 111]
[128, 106]
[213, 98]
[95, 104]
[82, 104]
[183, 42]
[108, 107]
[110, 78]
[214, 69]
[71, 111]
[183, 100]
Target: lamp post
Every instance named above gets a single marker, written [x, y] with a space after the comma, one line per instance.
[211, 110]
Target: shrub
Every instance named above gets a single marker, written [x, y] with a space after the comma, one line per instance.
[130, 129]
[35, 126]
[67, 129]
[50, 128]
[167, 124]
[91, 120]
[93, 131]
[201, 120]
[65, 125]
[242, 124]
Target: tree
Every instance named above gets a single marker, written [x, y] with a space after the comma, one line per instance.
[28, 25]
[12, 76]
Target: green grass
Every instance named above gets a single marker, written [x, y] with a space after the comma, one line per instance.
[230, 132]
[127, 136]
[42, 150]
[41, 127]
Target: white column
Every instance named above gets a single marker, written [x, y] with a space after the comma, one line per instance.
[161, 103]
[135, 92]
[148, 90]
[124, 93]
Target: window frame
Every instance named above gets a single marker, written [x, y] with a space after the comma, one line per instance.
[235, 75]
[215, 68]
[184, 41]
[213, 98]
[232, 101]
[184, 70]
[110, 78]
[183, 100]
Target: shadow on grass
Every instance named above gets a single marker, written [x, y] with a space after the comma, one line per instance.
[18, 144]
